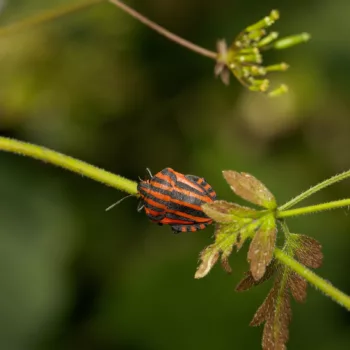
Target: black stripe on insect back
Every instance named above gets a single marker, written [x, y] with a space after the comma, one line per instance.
[155, 199]
[179, 217]
[161, 191]
[152, 207]
[203, 184]
[155, 217]
[187, 199]
[186, 187]
[161, 181]
[182, 208]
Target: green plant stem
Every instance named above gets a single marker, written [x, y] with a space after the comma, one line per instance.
[313, 208]
[312, 278]
[285, 229]
[315, 189]
[47, 16]
[69, 163]
[164, 32]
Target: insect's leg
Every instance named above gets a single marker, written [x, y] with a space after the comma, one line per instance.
[140, 206]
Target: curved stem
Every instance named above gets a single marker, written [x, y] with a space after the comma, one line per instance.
[315, 189]
[164, 32]
[318, 282]
[69, 163]
[47, 16]
[313, 208]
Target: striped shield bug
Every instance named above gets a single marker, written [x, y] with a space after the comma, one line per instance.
[171, 198]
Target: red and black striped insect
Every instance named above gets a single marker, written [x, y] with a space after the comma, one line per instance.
[174, 199]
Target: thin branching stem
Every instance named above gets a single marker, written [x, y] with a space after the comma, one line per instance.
[164, 32]
[47, 16]
[50, 15]
[318, 282]
[313, 208]
[69, 163]
[315, 189]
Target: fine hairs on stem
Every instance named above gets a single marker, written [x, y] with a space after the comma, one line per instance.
[69, 163]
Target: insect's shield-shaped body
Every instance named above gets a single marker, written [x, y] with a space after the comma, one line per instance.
[175, 199]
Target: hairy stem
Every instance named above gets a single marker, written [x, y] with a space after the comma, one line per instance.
[69, 163]
[318, 282]
[313, 208]
[47, 16]
[164, 32]
[315, 189]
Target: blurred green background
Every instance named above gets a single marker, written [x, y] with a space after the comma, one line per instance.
[101, 87]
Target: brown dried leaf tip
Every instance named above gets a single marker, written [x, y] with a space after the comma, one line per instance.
[276, 310]
[249, 188]
[209, 256]
[262, 247]
[249, 281]
[298, 287]
[308, 251]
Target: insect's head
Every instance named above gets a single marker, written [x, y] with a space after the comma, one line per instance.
[142, 188]
[144, 185]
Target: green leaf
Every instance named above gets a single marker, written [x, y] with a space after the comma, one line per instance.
[226, 237]
[262, 247]
[249, 188]
[226, 212]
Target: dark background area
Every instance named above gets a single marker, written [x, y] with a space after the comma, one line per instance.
[100, 86]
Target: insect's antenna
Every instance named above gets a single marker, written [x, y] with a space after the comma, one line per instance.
[116, 203]
[149, 172]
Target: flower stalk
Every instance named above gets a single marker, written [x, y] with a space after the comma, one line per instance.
[243, 58]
